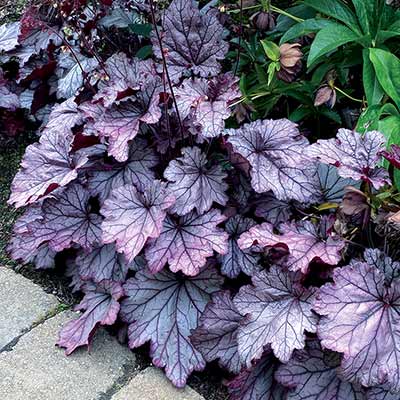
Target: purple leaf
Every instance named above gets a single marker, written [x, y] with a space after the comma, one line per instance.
[312, 374]
[131, 217]
[9, 36]
[64, 117]
[185, 243]
[356, 156]
[120, 124]
[101, 308]
[66, 220]
[123, 76]
[71, 73]
[46, 166]
[102, 263]
[27, 248]
[329, 185]
[381, 394]
[361, 320]
[278, 312]
[257, 383]
[275, 150]
[306, 242]
[216, 335]
[194, 184]
[238, 260]
[135, 171]
[8, 99]
[273, 210]
[163, 309]
[39, 38]
[207, 102]
[192, 41]
[393, 156]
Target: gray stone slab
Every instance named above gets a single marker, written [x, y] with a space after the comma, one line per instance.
[38, 370]
[23, 304]
[151, 384]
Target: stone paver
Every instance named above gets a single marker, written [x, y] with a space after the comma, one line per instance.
[22, 304]
[151, 384]
[36, 369]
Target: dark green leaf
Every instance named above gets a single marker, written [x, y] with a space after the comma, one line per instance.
[387, 68]
[304, 28]
[328, 39]
[366, 12]
[141, 29]
[144, 52]
[372, 87]
[283, 23]
[336, 9]
[396, 176]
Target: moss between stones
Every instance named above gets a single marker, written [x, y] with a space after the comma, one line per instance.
[9, 163]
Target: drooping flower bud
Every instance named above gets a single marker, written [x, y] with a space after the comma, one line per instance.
[263, 20]
[290, 61]
[325, 95]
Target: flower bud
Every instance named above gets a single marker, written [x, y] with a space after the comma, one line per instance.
[325, 95]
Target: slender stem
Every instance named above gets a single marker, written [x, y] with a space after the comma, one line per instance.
[240, 38]
[286, 14]
[165, 69]
[238, 10]
[347, 95]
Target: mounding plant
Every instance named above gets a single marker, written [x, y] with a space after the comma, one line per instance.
[211, 240]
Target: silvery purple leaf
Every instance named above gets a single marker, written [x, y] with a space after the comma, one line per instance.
[101, 308]
[46, 166]
[131, 217]
[123, 75]
[257, 383]
[120, 124]
[312, 374]
[277, 311]
[102, 263]
[72, 272]
[273, 210]
[360, 318]
[26, 247]
[64, 117]
[381, 261]
[379, 393]
[238, 260]
[163, 309]
[355, 155]
[305, 240]
[185, 243]
[8, 99]
[40, 38]
[66, 220]
[192, 41]
[9, 36]
[206, 102]
[194, 183]
[275, 150]
[329, 185]
[136, 170]
[71, 73]
[216, 335]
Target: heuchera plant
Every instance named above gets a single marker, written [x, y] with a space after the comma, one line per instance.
[243, 245]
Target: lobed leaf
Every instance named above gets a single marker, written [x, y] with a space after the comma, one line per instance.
[163, 309]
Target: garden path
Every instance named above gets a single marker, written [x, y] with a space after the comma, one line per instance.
[32, 367]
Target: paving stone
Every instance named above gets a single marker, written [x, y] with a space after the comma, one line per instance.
[22, 304]
[36, 369]
[151, 384]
